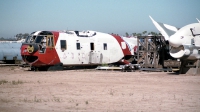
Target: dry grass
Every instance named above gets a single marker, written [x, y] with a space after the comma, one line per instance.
[13, 82]
[3, 81]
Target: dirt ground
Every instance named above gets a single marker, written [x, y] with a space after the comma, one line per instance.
[96, 90]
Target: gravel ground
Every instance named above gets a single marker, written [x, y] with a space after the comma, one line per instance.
[94, 90]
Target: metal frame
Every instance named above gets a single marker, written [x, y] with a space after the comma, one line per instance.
[153, 51]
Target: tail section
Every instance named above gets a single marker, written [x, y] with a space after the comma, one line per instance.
[164, 29]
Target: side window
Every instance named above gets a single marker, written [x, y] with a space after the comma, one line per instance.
[78, 46]
[123, 45]
[50, 41]
[91, 46]
[63, 45]
[104, 46]
[31, 39]
[38, 39]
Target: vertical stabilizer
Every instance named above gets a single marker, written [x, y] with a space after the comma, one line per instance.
[164, 29]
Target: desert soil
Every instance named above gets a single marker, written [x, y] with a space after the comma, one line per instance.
[96, 90]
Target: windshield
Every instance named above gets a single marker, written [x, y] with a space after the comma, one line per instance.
[34, 39]
[38, 39]
[28, 39]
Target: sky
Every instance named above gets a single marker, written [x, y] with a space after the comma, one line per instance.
[108, 16]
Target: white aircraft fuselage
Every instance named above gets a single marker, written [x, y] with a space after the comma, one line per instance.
[76, 48]
[184, 42]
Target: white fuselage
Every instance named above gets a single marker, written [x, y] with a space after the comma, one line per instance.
[98, 49]
[186, 42]
[76, 48]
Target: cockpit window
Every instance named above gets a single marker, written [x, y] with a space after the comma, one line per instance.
[30, 39]
[34, 39]
[38, 39]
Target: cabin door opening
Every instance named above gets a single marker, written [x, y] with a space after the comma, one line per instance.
[95, 56]
[50, 42]
[47, 41]
[50, 50]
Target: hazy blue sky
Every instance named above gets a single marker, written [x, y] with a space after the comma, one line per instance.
[109, 16]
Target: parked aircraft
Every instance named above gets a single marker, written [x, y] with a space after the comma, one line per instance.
[185, 42]
[51, 50]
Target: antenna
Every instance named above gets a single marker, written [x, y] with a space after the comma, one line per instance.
[198, 20]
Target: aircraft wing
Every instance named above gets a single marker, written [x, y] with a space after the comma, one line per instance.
[165, 29]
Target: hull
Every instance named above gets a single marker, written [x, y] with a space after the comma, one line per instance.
[10, 51]
[73, 48]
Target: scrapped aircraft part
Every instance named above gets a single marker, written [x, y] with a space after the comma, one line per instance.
[175, 42]
[197, 41]
[184, 41]
[75, 48]
[130, 67]
[10, 52]
[108, 68]
[177, 52]
[184, 44]
[186, 52]
[165, 29]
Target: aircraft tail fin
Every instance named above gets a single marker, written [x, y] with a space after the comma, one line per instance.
[164, 29]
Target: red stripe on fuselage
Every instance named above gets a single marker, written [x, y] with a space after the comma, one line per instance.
[56, 35]
[126, 51]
